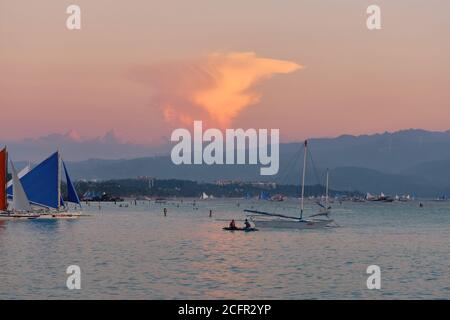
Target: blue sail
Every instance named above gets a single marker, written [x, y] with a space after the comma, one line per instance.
[72, 195]
[42, 183]
[264, 196]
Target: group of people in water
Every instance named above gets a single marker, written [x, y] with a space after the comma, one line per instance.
[233, 226]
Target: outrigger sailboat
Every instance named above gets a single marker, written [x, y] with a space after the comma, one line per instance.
[20, 207]
[42, 186]
[263, 219]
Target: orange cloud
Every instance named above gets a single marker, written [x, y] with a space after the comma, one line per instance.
[233, 77]
[214, 89]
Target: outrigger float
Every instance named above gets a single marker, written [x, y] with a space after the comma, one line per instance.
[36, 193]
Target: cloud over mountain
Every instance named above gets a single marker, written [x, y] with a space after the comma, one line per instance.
[214, 89]
[74, 147]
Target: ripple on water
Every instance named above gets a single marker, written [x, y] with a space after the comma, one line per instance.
[136, 253]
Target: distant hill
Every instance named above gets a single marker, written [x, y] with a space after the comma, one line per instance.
[75, 148]
[386, 152]
[375, 182]
[409, 161]
[341, 178]
[437, 172]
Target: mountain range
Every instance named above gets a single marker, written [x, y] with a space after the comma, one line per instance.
[415, 162]
[76, 148]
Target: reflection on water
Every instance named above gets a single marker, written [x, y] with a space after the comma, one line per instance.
[136, 253]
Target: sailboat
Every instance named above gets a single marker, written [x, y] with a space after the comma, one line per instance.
[20, 207]
[204, 196]
[43, 188]
[263, 219]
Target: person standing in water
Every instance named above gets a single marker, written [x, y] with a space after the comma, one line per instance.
[165, 212]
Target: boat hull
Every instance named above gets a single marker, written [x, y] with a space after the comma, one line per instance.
[294, 224]
[60, 215]
[18, 216]
[240, 229]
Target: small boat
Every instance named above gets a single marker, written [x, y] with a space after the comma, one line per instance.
[240, 229]
[277, 197]
[160, 200]
[441, 198]
[279, 221]
[204, 196]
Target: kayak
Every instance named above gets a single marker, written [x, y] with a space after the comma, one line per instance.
[240, 229]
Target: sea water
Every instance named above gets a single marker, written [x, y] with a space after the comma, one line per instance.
[136, 252]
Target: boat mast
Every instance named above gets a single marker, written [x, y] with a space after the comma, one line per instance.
[326, 192]
[303, 180]
[5, 178]
[59, 180]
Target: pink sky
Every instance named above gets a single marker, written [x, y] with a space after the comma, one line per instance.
[310, 68]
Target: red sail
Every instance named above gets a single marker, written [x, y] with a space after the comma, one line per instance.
[3, 179]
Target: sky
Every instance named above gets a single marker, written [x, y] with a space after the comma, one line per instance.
[143, 68]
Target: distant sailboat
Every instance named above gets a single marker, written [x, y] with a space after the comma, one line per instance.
[204, 196]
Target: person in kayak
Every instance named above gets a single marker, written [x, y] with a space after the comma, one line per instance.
[247, 224]
[233, 225]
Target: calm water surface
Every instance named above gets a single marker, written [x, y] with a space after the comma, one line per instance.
[137, 253]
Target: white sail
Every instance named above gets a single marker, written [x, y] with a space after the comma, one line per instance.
[204, 196]
[20, 199]
[21, 174]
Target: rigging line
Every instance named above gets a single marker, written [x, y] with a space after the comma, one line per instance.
[290, 168]
[315, 169]
[287, 172]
